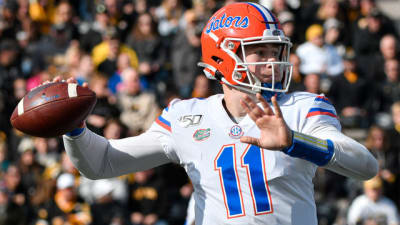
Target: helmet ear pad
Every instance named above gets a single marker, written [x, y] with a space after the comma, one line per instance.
[224, 61]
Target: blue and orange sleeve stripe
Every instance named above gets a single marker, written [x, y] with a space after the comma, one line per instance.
[320, 111]
[164, 123]
[324, 103]
[322, 99]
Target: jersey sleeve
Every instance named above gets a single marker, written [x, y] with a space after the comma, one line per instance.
[321, 112]
[162, 128]
[350, 158]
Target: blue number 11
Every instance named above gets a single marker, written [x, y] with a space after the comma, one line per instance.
[253, 160]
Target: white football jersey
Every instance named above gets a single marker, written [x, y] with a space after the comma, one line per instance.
[237, 183]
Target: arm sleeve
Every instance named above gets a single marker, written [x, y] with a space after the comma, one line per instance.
[98, 158]
[350, 158]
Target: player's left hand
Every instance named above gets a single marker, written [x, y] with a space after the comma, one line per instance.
[275, 134]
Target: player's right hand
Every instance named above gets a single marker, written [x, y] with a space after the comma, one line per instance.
[69, 80]
[275, 133]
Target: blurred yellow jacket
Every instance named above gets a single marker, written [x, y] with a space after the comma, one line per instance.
[100, 53]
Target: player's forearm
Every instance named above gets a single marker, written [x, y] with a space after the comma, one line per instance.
[350, 158]
[97, 158]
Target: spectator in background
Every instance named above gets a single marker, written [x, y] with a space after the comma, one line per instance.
[17, 193]
[186, 53]
[333, 35]
[29, 168]
[114, 129]
[105, 107]
[19, 87]
[366, 39]
[61, 33]
[148, 45]
[39, 78]
[42, 12]
[106, 53]
[28, 39]
[168, 15]
[389, 88]
[65, 206]
[373, 205]
[279, 6]
[105, 209]
[287, 20]
[312, 83]
[351, 104]
[94, 31]
[297, 83]
[123, 62]
[63, 22]
[139, 109]
[201, 87]
[147, 203]
[10, 212]
[6, 108]
[85, 69]
[388, 49]
[378, 143]
[70, 61]
[113, 8]
[45, 153]
[141, 6]
[394, 131]
[366, 8]
[4, 161]
[317, 57]
[23, 10]
[393, 134]
[320, 11]
[9, 24]
[9, 66]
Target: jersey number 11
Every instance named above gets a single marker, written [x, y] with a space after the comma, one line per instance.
[253, 160]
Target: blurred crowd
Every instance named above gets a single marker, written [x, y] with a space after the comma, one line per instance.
[137, 55]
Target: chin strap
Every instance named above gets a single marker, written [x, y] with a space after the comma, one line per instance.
[268, 94]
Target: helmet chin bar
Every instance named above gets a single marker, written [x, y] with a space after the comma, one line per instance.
[241, 88]
[256, 85]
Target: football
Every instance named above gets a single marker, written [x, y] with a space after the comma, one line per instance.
[53, 109]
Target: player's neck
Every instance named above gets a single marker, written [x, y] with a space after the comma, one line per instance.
[232, 104]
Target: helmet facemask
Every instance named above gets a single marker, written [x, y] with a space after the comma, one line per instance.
[248, 81]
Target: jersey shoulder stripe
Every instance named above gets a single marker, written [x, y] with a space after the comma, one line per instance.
[164, 123]
[174, 109]
[323, 99]
[320, 111]
[321, 106]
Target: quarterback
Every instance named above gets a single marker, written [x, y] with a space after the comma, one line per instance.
[251, 152]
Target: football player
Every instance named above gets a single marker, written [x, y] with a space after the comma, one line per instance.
[251, 152]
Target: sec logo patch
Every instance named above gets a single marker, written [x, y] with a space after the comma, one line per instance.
[236, 132]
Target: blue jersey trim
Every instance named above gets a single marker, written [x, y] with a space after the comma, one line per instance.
[75, 132]
[309, 148]
[323, 99]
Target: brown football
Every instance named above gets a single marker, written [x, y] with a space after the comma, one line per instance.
[53, 109]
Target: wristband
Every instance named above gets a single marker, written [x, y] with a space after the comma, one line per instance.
[75, 132]
[309, 148]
